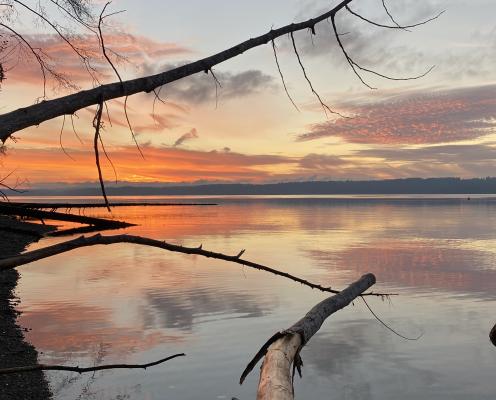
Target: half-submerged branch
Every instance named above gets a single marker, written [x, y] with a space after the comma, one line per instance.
[49, 251]
[20, 211]
[69, 206]
[282, 351]
[80, 370]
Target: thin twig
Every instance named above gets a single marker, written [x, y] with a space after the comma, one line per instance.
[324, 106]
[393, 20]
[354, 65]
[74, 129]
[97, 124]
[387, 326]
[131, 129]
[282, 77]
[82, 56]
[102, 44]
[217, 86]
[108, 158]
[60, 140]
[396, 26]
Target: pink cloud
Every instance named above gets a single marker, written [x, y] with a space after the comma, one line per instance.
[416, 118]
[133, 52]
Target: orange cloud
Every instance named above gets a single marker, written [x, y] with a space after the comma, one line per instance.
[161, 164]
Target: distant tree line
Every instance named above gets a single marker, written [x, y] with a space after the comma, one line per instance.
[389, 186]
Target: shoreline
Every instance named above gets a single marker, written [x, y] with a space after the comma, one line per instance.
[14, 349]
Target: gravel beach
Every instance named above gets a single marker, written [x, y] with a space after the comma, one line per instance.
[14, 350]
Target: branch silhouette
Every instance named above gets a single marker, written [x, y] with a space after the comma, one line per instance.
[81, 370]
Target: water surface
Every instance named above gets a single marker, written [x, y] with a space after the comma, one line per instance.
[124, 303]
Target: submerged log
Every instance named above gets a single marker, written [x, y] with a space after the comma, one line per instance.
[68, 206]
[9, 209]
[282, 350]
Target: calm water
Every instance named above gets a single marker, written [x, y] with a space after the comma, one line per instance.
[125, 303]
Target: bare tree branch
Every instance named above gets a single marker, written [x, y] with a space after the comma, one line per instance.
[97, 124]
[108, 157]
[396, 26]
[79, 52]
[355, 66]
[324, 106]
[102, 43]
[60, 140]
[282, 77]
[35, 114]
[74, 129]
[393, 20]
[131, 128]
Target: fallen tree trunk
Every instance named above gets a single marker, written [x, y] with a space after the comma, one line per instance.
[282, 350]
[9, 209]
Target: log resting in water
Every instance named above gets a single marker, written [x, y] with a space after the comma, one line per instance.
[282, 350]
[11, 209]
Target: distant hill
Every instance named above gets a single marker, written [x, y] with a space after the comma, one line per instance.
[390, 186]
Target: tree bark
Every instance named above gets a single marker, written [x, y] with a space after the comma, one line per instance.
[282, 350]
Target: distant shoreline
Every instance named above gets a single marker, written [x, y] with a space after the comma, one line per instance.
[410, 186]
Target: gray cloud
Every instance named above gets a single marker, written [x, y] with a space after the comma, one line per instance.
[444, 154]
[393, 52]
[368, 45]
[416, 117]
[201, 88]
[192, 134]
[321, 162]
[446, 160]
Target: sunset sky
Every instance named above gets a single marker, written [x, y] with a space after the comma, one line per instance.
[443, 124]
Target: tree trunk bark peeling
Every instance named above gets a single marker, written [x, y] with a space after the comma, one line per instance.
[276, 381]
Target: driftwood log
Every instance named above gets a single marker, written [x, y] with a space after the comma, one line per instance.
[282, 351]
